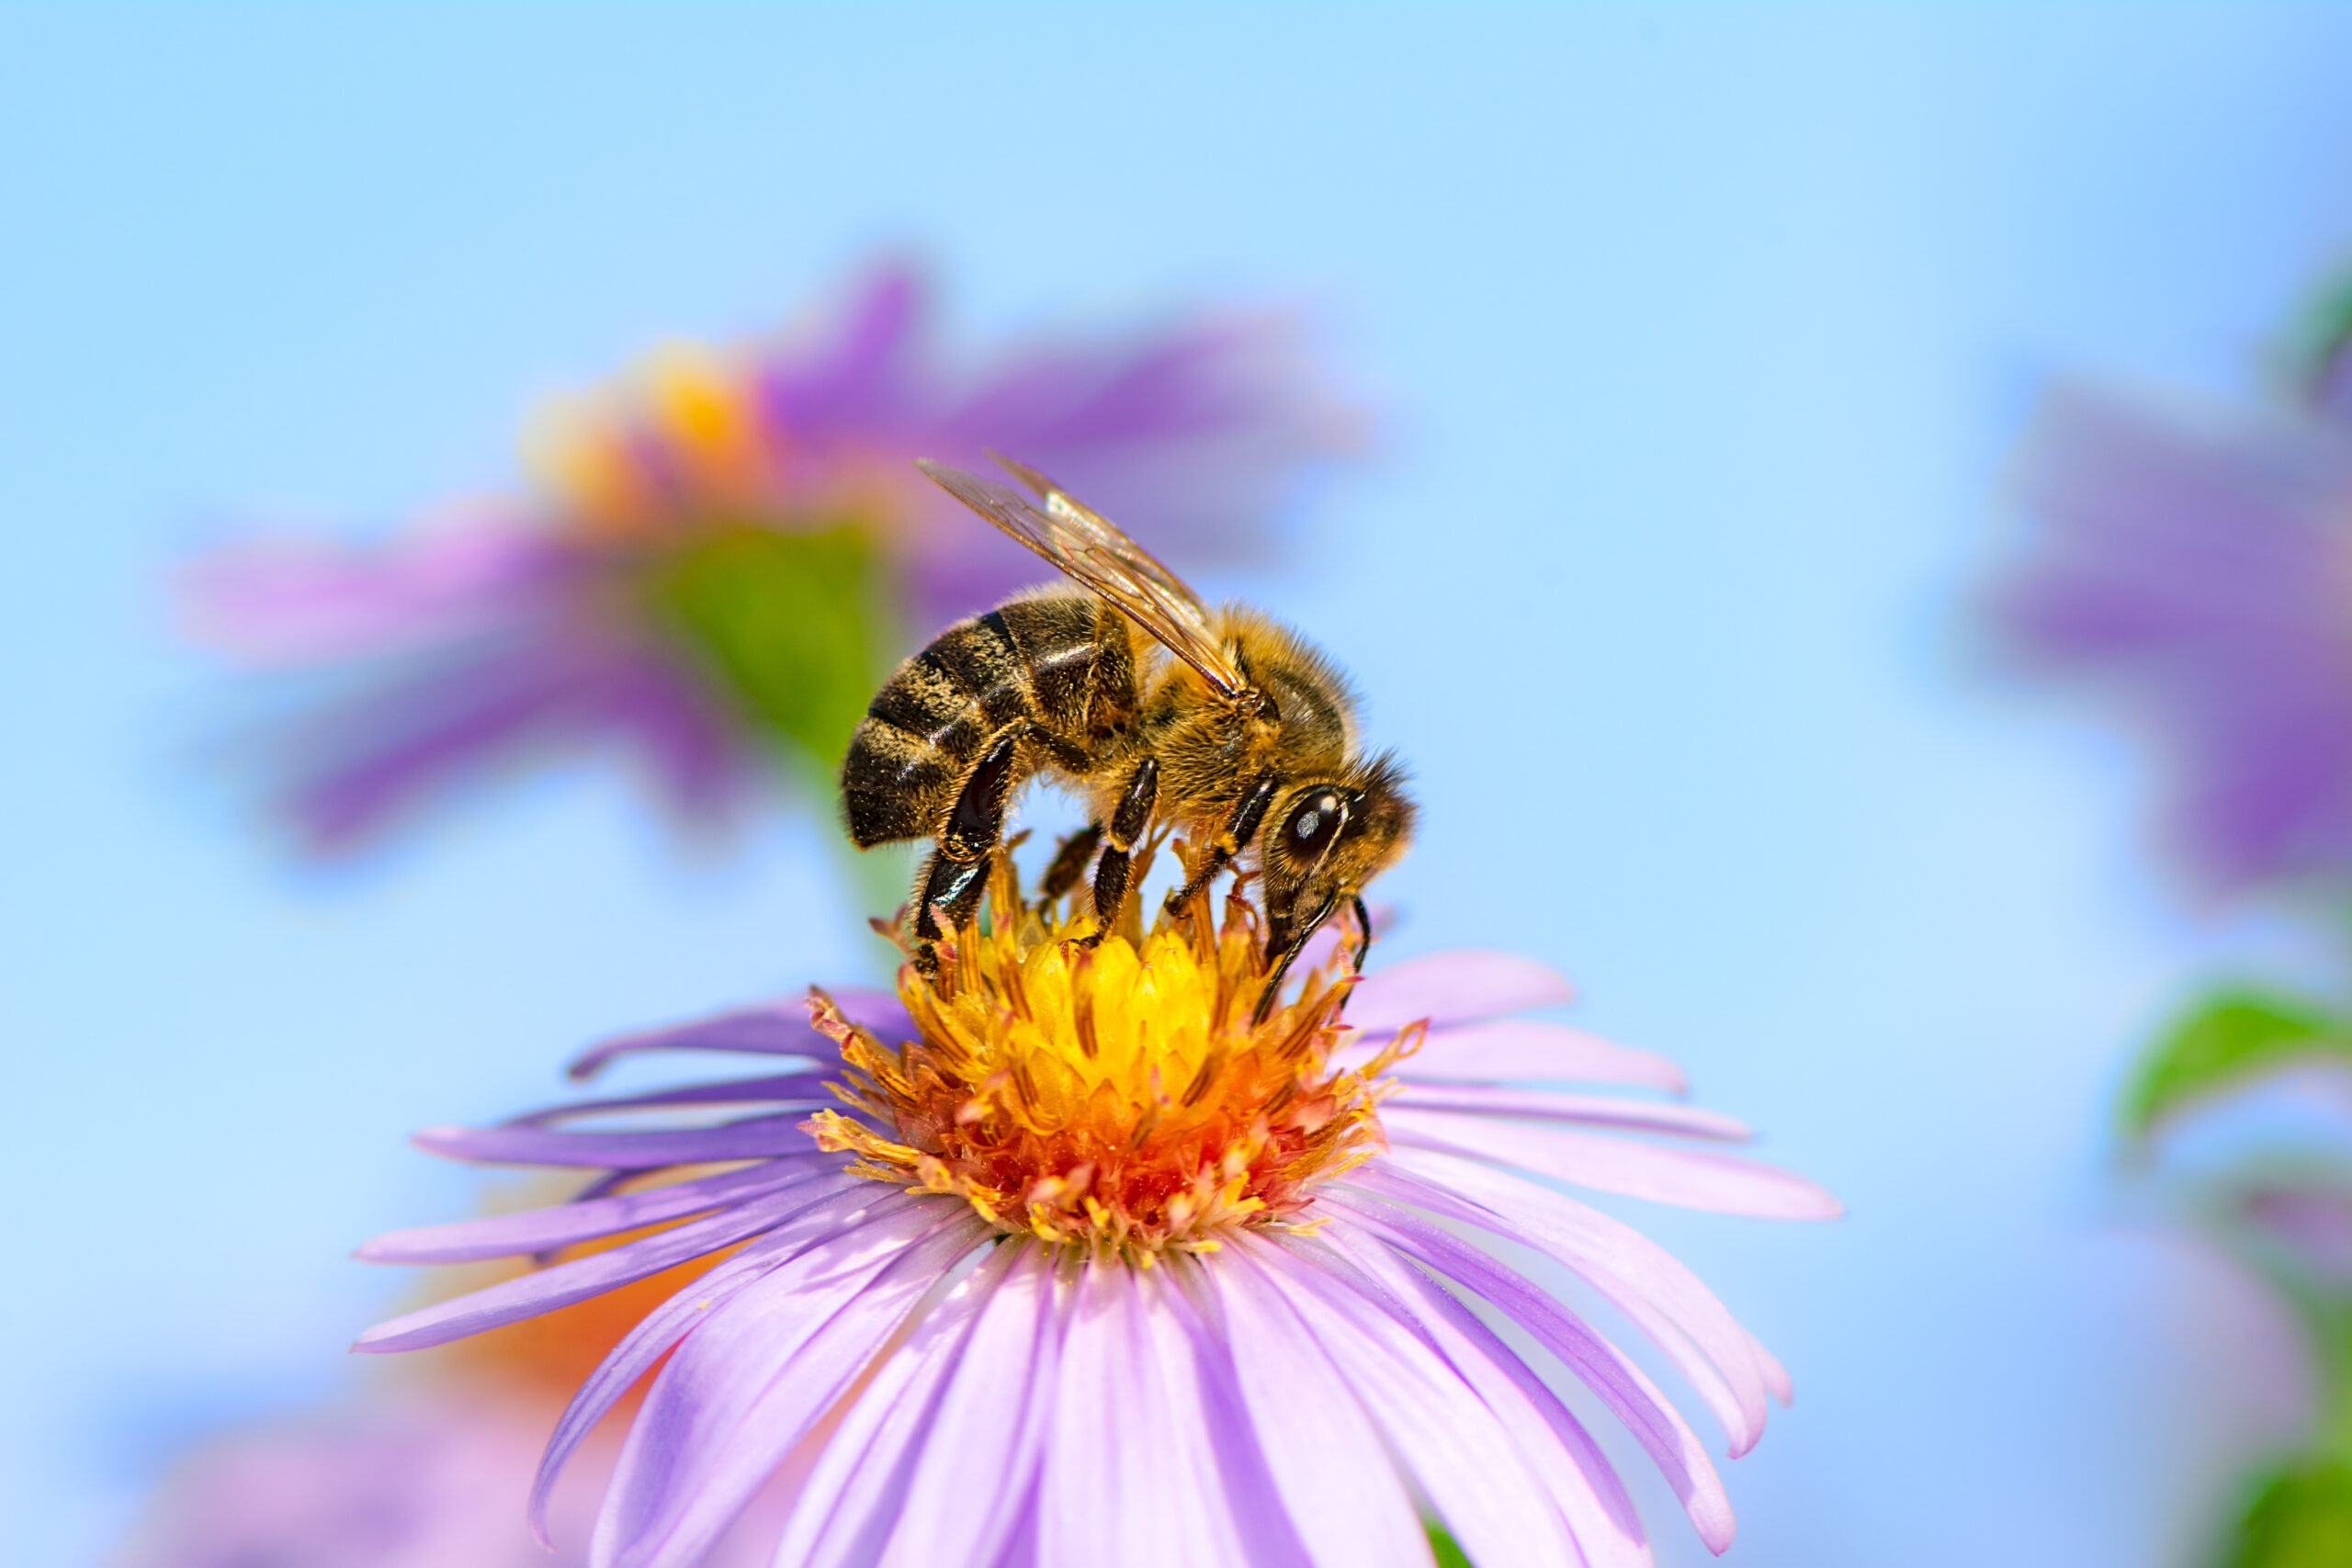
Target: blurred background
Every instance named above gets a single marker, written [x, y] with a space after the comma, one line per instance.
[1699, 338]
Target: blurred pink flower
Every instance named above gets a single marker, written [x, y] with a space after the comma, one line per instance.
[727, 553]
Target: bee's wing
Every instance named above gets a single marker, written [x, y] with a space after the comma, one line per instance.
[1091, 549]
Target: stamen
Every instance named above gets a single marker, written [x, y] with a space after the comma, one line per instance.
[1124, 1098]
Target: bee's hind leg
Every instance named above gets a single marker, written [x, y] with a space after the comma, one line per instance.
[1127, 824]
[953, 886]
[957, 874]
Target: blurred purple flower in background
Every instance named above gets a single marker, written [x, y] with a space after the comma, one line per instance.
[406, 1481]
[727, 554]
[1075, 1264]
[2204, 575]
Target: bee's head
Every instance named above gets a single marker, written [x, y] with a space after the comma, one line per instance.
[1325, 839]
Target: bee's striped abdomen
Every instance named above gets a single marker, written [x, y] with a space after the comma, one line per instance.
[1031, 662]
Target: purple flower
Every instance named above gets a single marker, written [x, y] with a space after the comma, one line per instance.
[1063, 1260]
[725, 554]
[2203, 576]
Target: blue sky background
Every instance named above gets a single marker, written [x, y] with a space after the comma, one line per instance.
[1702, 334]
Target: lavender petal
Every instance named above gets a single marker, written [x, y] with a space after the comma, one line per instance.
[800, 1088]
[1621, 1387]
[1592, 1110]
[841, 1203]
[1575, 1474]
[1523, 1048]
[1665, 1300]
[1438, 1425]
[856, 1490]
[757, 1137]
[1328, 1465]
[771, 1029]
[541, 1230]
[741, 1391]
[1213, 1409]
[970, 1484]
[1453, 988]
[547, 1289]
[1117, 1486]
[1694, 1178]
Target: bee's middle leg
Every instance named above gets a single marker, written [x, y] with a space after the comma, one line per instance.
[957, 873]
[1239, 830]
[1069, 864]
[1127, 823]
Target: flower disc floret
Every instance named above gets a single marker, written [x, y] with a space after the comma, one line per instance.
[1117, 1098]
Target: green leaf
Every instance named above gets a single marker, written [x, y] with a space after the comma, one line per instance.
[791, 626]
[2300, 1518]
[1442, 1546]
[2227, 1037]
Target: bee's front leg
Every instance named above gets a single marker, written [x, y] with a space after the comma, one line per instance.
[1239, 830]
[1127, 824]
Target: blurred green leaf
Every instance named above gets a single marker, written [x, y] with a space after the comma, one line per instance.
[2226, 1038]
[2324, 334]
[793, 626]
[1448, 1554]
[2300, 1518]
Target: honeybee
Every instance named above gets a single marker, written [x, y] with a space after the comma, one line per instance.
[1153, 707]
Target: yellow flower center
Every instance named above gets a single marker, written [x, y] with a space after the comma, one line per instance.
[1118, 1098]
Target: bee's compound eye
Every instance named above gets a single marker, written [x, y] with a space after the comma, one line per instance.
[1313, 824]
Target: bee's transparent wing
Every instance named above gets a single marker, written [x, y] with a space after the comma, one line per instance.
[1091, 549]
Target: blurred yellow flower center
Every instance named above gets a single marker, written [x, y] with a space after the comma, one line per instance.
[1116, 1099]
